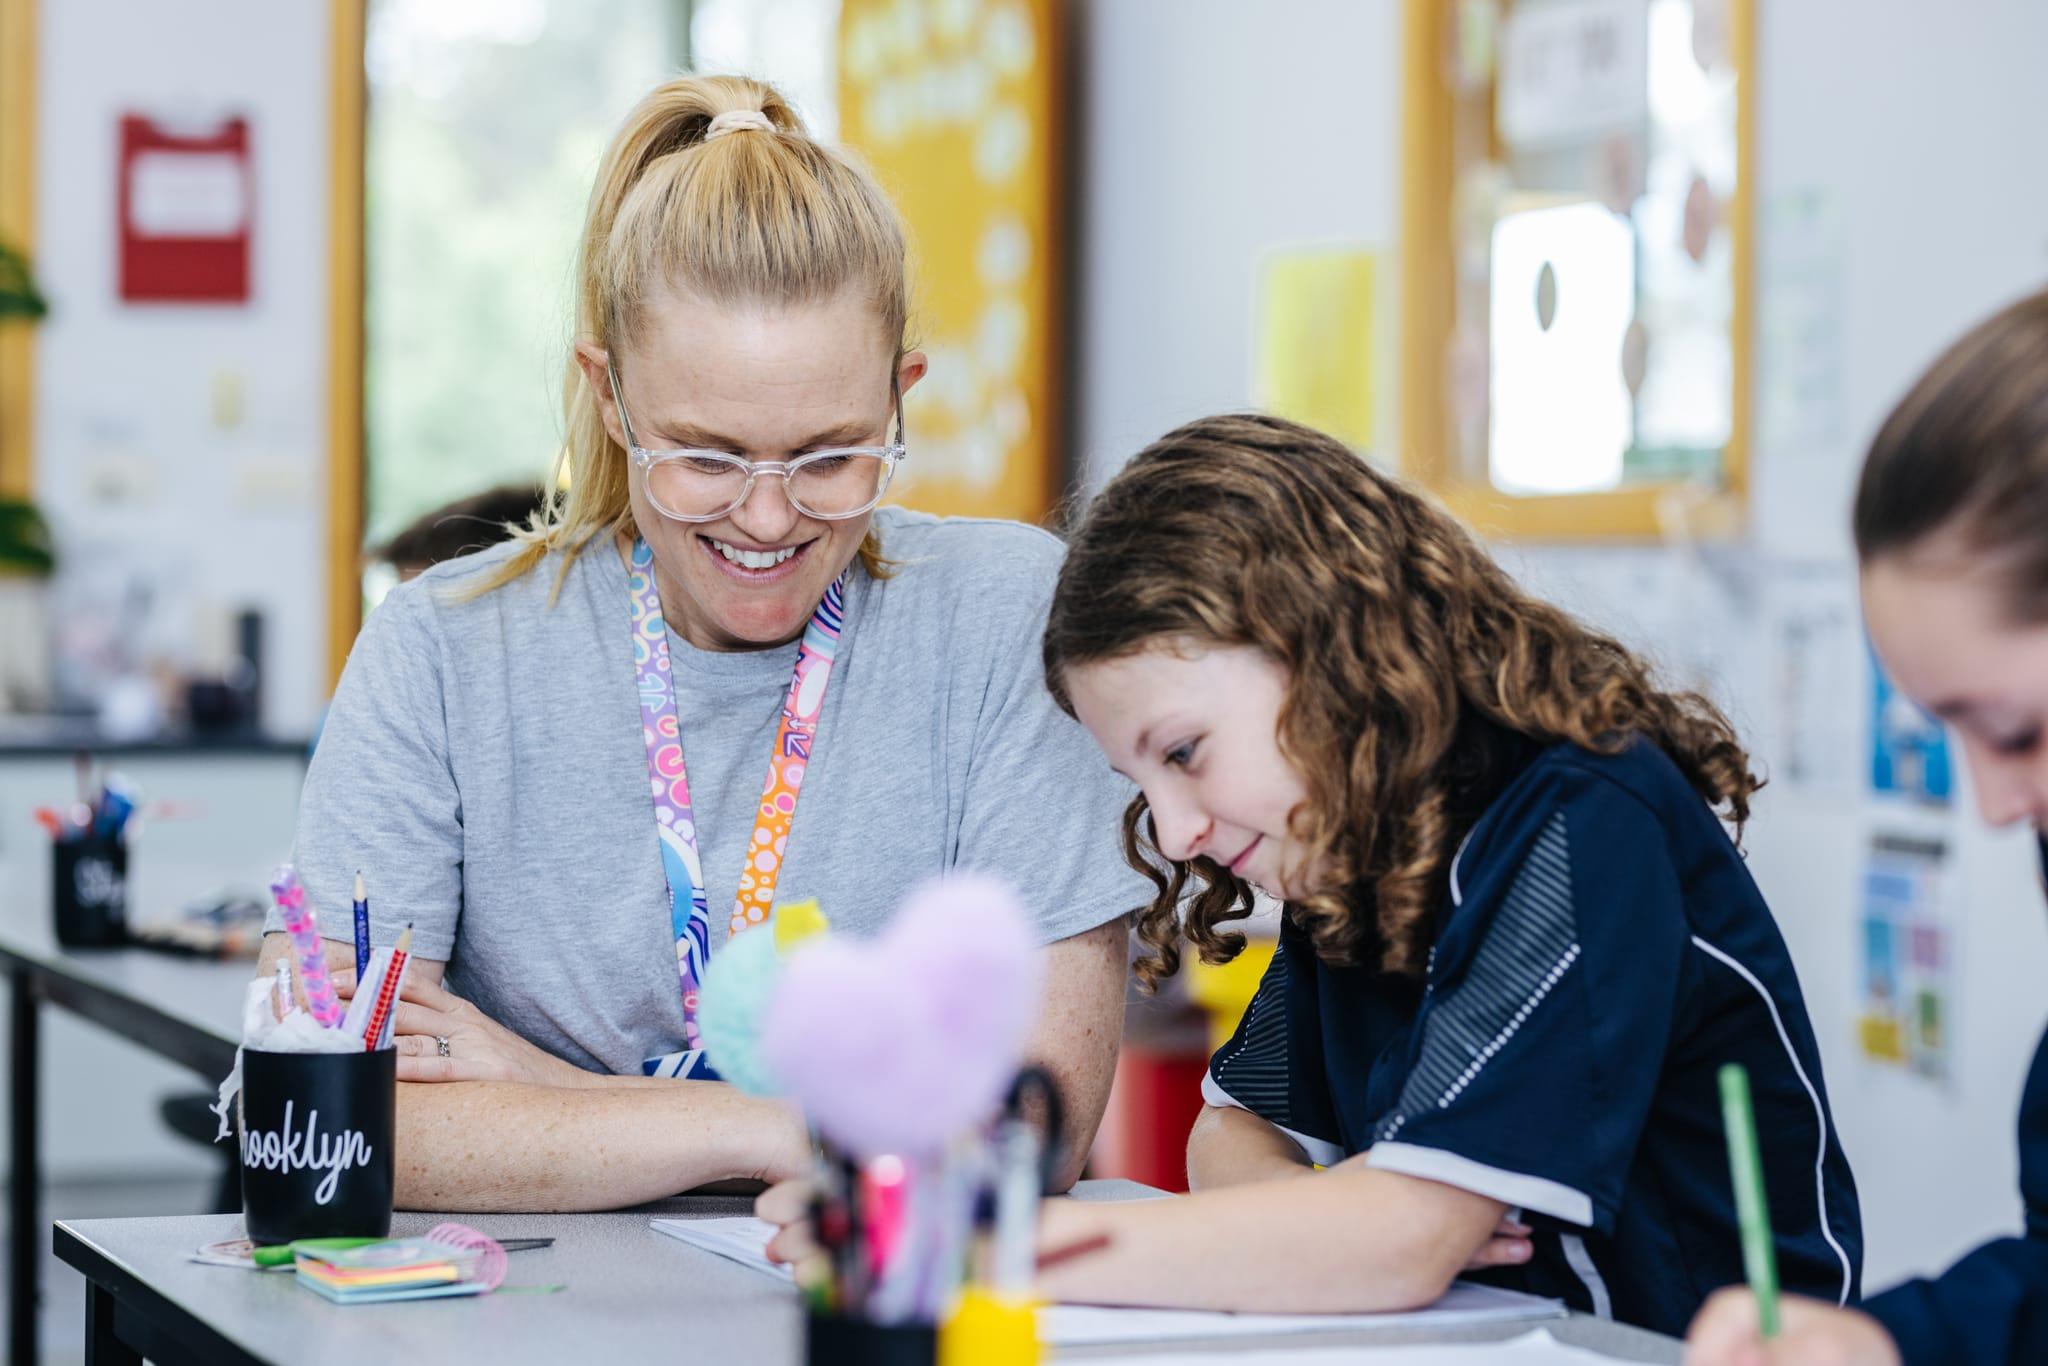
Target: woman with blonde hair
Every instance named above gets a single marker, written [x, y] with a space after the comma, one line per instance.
[549, 756]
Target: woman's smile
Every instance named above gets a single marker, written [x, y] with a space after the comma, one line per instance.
[755, 565]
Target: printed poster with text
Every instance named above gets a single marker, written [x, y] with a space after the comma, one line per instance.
[1907, 992]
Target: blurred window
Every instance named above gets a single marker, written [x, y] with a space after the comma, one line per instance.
[486, 121]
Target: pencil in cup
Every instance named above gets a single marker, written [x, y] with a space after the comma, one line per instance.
[305, 936]
[1752, 1211]
[387, 991]
[361, 907]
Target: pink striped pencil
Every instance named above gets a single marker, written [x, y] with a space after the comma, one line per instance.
[305, 933]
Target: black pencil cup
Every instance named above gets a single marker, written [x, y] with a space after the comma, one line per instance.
[316, 1133]
[841, 1340]
[89, 890]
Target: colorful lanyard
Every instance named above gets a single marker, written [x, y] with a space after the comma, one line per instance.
[795, 739]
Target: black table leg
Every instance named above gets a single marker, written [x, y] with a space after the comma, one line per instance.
[25, 1176]
[102, 1348]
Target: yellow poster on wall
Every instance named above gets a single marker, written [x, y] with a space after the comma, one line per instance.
[1315, 355]
[953, 103]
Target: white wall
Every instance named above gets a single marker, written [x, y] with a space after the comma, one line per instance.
[1219, 130]
[1210, 132]
[130, 465]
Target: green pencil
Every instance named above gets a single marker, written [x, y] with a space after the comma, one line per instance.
[1746, 1168]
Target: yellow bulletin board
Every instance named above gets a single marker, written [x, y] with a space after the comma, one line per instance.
[1315, 348]
[955, 105]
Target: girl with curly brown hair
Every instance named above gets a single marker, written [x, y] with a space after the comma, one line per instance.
[1517, 941]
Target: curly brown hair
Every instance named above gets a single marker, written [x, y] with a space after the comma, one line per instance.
[1418, 671]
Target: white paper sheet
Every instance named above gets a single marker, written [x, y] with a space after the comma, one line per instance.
[1531, 1349]
[743, 1239]
[1076, 1325]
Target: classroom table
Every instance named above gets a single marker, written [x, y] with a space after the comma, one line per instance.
[630, 1295]
[633, 1293]
[187, 1010]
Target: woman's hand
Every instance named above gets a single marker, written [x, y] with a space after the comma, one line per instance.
[478, 1048]
[1725, 1333]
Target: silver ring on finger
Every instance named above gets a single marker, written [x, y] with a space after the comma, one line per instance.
[441, 1046]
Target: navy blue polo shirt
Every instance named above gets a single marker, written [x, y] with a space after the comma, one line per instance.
[1992, 1306]
[1600, 952]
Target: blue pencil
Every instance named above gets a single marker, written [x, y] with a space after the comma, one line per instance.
[362, 909]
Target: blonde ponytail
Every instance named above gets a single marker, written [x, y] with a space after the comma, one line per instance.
[752, 211]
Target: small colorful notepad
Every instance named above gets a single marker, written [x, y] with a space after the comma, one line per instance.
[396, 1269]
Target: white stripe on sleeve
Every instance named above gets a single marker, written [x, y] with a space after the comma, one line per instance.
[1320, 1151]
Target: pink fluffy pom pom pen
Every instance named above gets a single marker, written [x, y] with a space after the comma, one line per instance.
[305, 935]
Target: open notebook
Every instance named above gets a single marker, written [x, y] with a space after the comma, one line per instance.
[743, 1239]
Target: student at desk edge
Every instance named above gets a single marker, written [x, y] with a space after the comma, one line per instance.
[1951, 524]
[505, 756]
[1517, 943]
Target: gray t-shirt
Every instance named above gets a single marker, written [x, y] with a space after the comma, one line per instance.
[483, 765]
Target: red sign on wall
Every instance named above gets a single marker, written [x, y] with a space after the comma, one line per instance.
[186, 201]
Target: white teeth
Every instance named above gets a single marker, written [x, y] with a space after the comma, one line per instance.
[752, 559]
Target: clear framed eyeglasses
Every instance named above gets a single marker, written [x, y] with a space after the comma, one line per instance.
[829, 485]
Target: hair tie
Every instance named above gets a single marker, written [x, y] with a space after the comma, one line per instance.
[733, 119]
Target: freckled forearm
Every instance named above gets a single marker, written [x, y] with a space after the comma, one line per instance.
[1079, 1033]
[500, 1146]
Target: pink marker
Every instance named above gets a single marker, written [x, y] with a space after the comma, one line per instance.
[299, 924]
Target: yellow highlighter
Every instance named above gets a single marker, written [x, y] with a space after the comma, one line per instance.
[990, 1327]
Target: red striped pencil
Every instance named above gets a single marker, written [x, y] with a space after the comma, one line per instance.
[373, 1030]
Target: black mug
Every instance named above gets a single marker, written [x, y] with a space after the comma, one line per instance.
[316, 1132]
[89, 889]
[843, 1340]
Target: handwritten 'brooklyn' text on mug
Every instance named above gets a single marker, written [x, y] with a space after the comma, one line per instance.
[284, 1150]
[97, 883]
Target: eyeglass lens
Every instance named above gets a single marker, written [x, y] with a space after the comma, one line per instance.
[837, 485]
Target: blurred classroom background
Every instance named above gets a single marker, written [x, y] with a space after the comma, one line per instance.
[1629, 283]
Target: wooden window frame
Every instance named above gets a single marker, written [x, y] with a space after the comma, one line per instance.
[347, 96]
[1637, 512]
[18, 47]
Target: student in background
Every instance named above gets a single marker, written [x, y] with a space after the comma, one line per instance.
[1951, 529]
[1517, 941]
[462, 527]
[507, 749]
